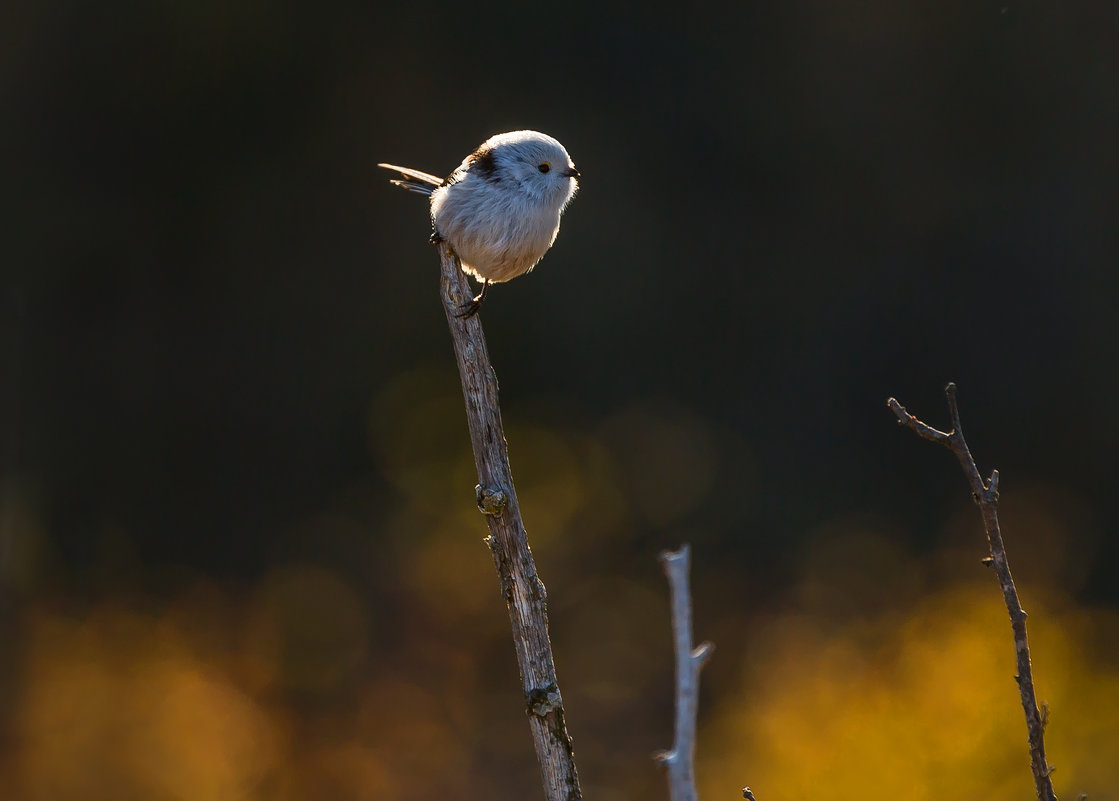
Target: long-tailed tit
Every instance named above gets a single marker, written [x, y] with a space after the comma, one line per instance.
[500, 210]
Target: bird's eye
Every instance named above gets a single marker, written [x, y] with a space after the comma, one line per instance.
[544, 167]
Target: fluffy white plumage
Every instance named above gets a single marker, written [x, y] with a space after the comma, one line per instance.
[500, 210]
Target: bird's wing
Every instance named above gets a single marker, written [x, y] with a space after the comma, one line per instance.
[422, 182]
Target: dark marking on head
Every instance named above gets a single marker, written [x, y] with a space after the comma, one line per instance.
[483, 165]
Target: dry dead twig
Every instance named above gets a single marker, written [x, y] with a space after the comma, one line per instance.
[522, 589]
[680, 761]
[986, 495]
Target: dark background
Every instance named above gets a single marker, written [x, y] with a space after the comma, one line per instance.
[224, 358]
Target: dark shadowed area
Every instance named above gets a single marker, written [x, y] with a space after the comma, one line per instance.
[239, 552]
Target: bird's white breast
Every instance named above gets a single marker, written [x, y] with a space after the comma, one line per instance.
[498, 231]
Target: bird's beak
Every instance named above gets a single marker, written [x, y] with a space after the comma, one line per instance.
[571, 172]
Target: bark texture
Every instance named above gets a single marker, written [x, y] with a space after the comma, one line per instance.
[521, 587]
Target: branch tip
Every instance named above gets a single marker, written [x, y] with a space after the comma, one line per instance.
[993, 486]
[953, 407]
[702, 653]
[668, 557]
[918, 427]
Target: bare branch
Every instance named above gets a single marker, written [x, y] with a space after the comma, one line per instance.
[681, 759]
[522, 589]
[987, 496]
[912, 423]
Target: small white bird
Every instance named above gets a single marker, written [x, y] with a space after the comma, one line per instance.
[500, 210]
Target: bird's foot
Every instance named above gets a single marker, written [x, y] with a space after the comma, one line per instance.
[470, 308]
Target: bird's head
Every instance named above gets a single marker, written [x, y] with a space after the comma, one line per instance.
[535, 162]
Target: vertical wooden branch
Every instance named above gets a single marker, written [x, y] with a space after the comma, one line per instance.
[522, 589]
[681, 759]
[986, 495]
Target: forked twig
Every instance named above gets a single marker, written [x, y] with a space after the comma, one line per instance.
[986, 495]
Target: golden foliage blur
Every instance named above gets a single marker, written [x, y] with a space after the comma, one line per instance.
[119, 706]
[925, 707]
[196, 703]
[309, 625]
[385, 670]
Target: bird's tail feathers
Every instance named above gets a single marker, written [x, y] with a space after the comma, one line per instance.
[414, 180]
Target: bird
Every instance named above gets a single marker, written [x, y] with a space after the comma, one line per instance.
[500, 210]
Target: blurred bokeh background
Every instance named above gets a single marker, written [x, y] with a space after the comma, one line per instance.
[239, 554]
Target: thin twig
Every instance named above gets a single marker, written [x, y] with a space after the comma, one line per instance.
[522, 589]
[986, 495]
[681, 759]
